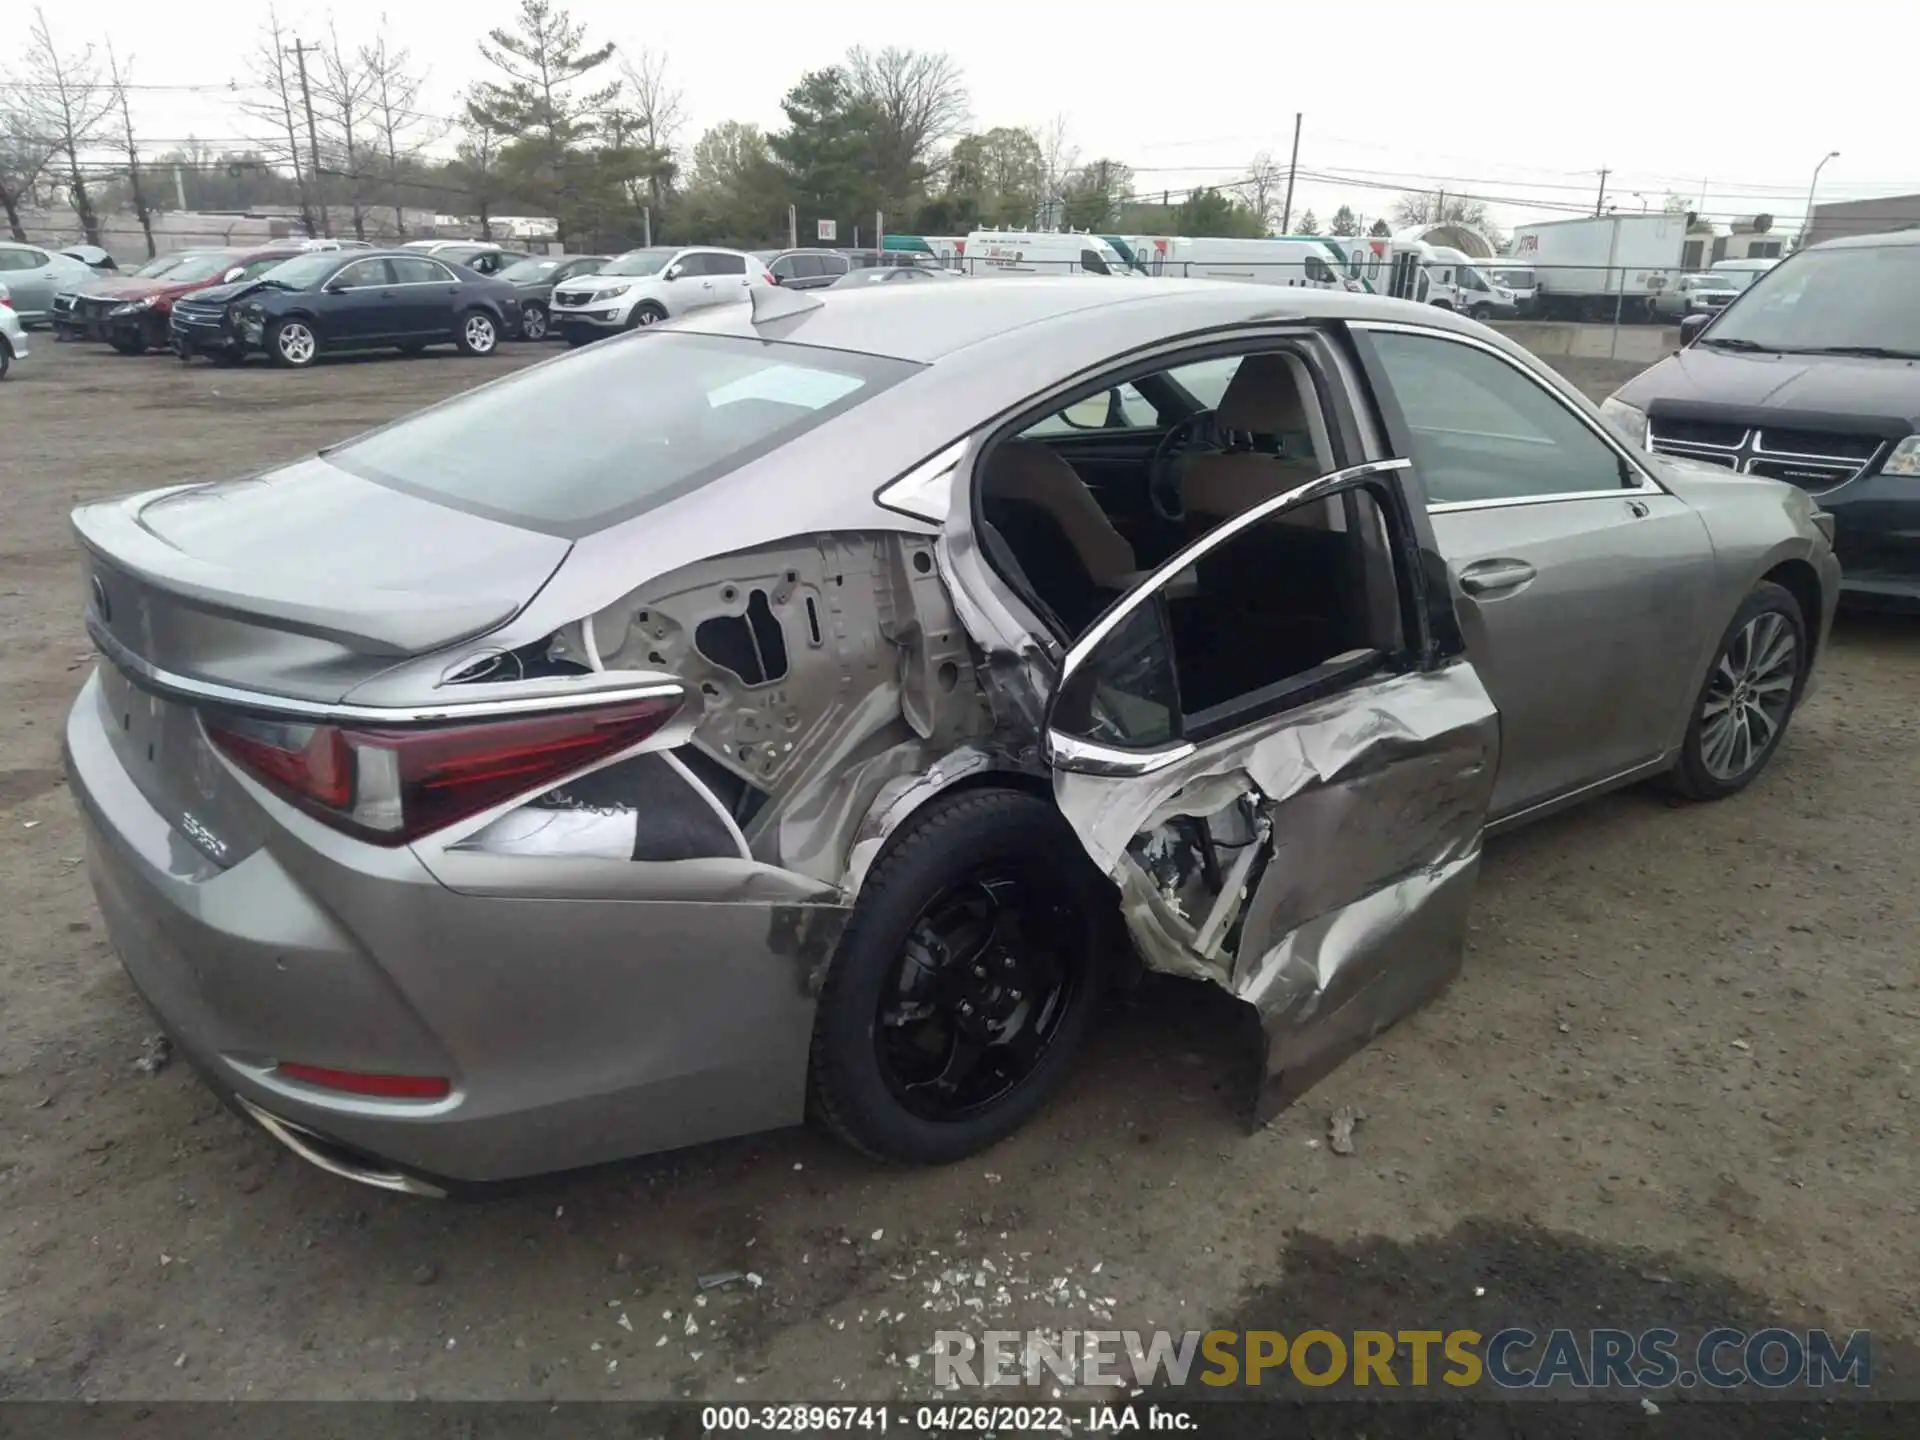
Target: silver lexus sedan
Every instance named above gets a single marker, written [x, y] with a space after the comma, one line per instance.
[810, 707]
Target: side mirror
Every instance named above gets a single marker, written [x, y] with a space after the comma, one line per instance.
[1096, 412]
[1691, 327]
[674, 272]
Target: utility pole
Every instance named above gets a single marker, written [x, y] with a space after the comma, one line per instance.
[133, 156]
[1293, 165]
[1440, 207]
[179, 188]
[646, 226]
[1600, 201]
[300, 49]
[793, 227]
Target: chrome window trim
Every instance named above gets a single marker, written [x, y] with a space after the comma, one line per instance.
[1220, 534]
[181, 687]
[1649, 483]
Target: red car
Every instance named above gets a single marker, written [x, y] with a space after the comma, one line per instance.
[138, 309]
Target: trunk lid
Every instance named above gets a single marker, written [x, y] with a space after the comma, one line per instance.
[302, 583]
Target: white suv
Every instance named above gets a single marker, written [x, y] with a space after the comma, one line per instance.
[643, 287]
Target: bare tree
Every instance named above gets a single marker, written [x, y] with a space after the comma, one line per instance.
[275, 102]
[1059, 158]
[655, 112]
[477, 166]
[393, 93]
[75, 102]
[25, 152]
[133, 150]
[1264, 183]
[343, 99]
[918, 98]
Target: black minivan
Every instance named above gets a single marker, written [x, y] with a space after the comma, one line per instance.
[1812, 376]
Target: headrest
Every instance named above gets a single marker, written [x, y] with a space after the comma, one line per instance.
[1262, 398]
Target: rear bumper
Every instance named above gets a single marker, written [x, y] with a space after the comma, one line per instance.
[573, 1031]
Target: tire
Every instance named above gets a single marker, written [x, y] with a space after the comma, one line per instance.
[1744, 672]
[477, 333]
[6, 357]
[947, 858]
[227, 358]
[1482, 313]
[128, 344]
[644, 314]
[292, 344]
[533, 321]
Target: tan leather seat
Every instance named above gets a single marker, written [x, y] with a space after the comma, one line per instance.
[1028, 473]
[1262, 399]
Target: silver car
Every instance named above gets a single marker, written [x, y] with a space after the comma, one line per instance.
[34, 275]
[811, 707]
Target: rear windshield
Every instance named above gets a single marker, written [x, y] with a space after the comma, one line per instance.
[578, 444]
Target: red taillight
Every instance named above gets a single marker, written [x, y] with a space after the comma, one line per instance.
[6, 302]
[771, 278]
[359, 1082]
[395, 784]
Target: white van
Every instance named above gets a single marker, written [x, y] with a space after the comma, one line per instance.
[1040, 252]
[1741, 272]
[1261, 262]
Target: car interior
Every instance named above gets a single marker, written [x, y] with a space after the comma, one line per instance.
[1081, 506]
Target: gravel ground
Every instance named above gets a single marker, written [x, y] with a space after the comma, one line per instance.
[1677, 1078]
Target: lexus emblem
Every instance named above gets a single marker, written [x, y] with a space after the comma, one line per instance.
[102, 605]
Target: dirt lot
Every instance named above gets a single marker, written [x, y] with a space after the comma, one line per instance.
[1677, 1079]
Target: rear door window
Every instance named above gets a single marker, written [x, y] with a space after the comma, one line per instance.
[721, 264]
[617, 429]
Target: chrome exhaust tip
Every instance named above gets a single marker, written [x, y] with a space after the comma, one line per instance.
[326, 1156]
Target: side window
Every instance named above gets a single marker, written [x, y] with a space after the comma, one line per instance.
[363, 275]
[1274, 616]
[833, 265]
[413, 270]
[17, 260]
[261, 265]
[1091, 262]
[584, 267]
[719, 264]
[38, 259]
[787, 267]
[1206, 381]
[807, 267]
[1480, 428]
[692, 265]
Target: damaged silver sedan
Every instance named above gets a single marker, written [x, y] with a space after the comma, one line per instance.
[810, 709]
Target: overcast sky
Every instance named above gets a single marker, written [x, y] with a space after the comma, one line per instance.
[1521, 103]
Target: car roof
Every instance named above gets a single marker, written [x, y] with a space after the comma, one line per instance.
[925, 323]
[1870, 242]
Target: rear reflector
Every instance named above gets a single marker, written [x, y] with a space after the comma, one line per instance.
[395, 784]
[358, 1082]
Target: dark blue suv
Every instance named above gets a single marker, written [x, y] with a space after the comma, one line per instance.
[349, 300]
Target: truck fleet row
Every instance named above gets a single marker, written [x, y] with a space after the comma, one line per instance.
[1609, 267]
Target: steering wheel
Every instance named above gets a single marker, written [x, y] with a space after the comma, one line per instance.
[1194, 433]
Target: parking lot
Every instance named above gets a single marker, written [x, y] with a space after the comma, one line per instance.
[1676, 1081]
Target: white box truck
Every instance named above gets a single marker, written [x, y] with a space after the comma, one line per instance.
[1604, 265]
[1595, 267]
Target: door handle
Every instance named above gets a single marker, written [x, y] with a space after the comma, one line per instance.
[1490, 576]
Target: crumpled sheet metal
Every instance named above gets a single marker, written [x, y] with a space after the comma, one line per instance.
[1378, 800]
